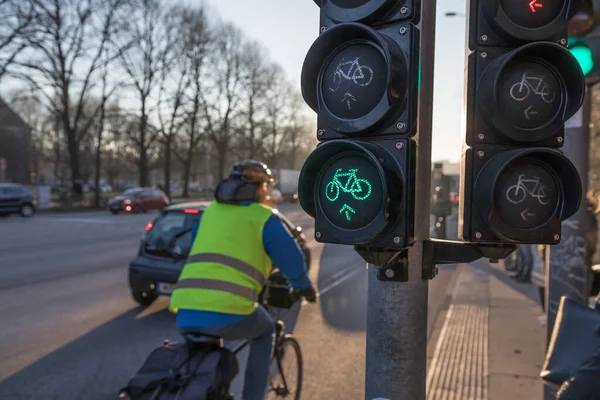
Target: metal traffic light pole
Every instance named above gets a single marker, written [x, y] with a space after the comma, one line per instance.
[566, 266]
[397, 312]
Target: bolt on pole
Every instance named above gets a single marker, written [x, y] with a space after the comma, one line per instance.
[397, 312]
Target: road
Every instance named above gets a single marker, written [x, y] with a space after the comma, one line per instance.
[71, 331]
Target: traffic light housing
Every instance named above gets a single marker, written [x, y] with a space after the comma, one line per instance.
[584, 39]
[361, 78]
[441, 205]
[523, 84]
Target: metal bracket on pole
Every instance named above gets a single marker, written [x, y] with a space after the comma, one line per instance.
[378, 257]
[452, 252]
[392, 265]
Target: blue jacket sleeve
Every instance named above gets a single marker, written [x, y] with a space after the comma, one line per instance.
[285, 253]
[195, 229]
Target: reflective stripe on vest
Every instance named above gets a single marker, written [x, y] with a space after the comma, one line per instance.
[213, 284]
[231, 262]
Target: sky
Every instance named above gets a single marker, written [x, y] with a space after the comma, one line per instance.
[287, 28]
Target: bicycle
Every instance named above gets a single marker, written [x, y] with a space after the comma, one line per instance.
[356, 73]
[354, 185]
[277, 293]
[525, 87]
[517, 193]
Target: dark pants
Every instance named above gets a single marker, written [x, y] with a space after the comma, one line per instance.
[259, 328]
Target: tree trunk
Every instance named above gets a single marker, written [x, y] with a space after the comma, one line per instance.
[167, 168]
[222, 159]
[143, 162]
[187, 169]
[143, 165]
[98, 166]
[73, 148]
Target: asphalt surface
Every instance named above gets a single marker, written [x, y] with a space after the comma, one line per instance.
[69, 329]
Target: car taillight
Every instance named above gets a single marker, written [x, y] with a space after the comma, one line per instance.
[148, 226]
[190, 211]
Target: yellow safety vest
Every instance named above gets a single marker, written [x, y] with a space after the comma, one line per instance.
[227, 266]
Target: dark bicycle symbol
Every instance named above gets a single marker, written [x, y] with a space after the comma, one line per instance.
[520, 91]
[361, 75]
[518, 192]
[359, 188]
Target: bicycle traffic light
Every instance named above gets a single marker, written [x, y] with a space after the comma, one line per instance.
[361, 78]
[523, 84]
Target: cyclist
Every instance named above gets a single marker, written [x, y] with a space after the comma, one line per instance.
[234, 245]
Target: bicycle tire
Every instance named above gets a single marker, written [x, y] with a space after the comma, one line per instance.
[285, 392]
[522, 85]
[356, 187]
[335, 188]
[517, 199]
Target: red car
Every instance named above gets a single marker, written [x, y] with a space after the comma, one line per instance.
[138, 200]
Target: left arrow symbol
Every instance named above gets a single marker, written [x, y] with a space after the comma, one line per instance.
[528, 111]
[526, 214]
[348, 210]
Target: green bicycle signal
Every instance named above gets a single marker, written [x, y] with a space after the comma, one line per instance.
[359, 188]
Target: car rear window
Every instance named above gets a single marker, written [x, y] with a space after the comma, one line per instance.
[171, 234]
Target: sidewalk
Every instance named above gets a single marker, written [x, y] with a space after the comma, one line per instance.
[488, 343]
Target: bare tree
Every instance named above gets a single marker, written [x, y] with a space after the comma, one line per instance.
[100, 132]
[149, 56]
[298, 131]
[17, 18]
[173, 84]
[66, 45]
[197, 39]
[221, 101]
[255, 83]
[278, 97]
[27, 104]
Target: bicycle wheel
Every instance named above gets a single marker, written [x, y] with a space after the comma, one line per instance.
[332, 191]
[516, 194]
[284, 382]
[360, 189]
[521, 92]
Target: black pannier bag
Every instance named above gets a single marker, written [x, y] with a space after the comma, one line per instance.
[184, 371]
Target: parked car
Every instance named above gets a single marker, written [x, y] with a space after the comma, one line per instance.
[166, 245]
[138, 200]
[15, 199]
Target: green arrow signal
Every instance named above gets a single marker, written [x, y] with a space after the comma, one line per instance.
[348, 210]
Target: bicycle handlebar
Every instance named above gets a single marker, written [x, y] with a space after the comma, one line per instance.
[295, 294]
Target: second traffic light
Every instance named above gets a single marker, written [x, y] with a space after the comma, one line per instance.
[523, 84]
[361, 78]
[584, 39]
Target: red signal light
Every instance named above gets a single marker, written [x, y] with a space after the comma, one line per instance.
[191, 211]
[535, 4]
[148, 226]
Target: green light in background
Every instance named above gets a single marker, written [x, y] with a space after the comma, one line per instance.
[359, 188]
[583, 54]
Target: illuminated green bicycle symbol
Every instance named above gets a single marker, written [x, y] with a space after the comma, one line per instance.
[359, 188]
